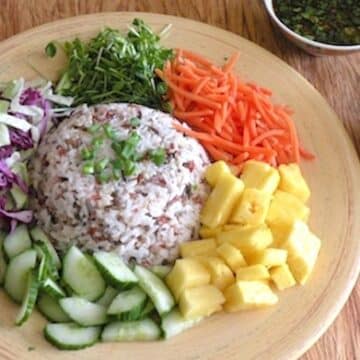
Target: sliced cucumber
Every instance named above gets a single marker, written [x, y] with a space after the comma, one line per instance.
[84, 312]
[156, 289]
[39, 236]
[19, 196]
[71, 336]
[47, 267]
[148, 308]
[3, 264]
[161, 270]
[114, 270]
[19, 168]
[4, 107]
[108, 297]
[17, 273]
[141, 330]
[29, 301]
[53, 289]
[82, 275]
[174, 323]
[17, 241]
[128, 305]
[51, 309]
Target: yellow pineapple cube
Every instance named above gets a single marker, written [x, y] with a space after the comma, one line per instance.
[247, 239]
[303, 248]
[206, 232]
[268, 257]
[228, 227]
[292, 181]
[252, 207]
[221, 201]
[285, 208]
[247, 295]
[206, 247]
[221, 275]
[282, 277]
[215, 171]
[261, 176]
[200, 301]
[253, 272]
[279, 233]
[186, 273]
[231, 255]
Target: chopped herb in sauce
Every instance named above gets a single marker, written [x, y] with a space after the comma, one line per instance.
[335, 22]
[50, 49]
[158, 156]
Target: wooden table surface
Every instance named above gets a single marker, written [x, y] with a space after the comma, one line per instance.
[336, 78]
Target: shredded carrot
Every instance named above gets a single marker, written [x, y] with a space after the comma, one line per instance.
[234, 120]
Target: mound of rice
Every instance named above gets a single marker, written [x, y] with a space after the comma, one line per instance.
[143, 217]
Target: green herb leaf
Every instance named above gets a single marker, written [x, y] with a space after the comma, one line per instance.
[87, 154]
[135, 122]
[88, 168]
[50, 49]
[158, 156]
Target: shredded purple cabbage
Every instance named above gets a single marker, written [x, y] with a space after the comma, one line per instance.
[21, 139]
[24, 216]
[8, 177]
[6, 151]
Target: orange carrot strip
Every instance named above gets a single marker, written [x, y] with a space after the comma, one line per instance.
[229, 66]
[217, 154]
[191, 114]
[265, 135]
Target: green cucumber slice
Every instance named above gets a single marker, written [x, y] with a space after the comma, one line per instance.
[174, 323]
[51, 309]
[83, 312]
[53, 289]
[128, 305]
[114, 270]
[19, 196]
[161, 270]
[3, 264]
[39, 236]
[47, 267]
[156, 289]
[141, 330]
[17, 273]
[17, 241]
[108, 297]
[148, 308]
[19, 168]
[29, 301]
[82, 275]
[4, 106]
[70, 336]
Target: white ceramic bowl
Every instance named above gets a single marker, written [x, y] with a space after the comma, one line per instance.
[312, 47]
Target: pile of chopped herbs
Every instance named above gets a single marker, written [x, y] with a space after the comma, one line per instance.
[334, 22]
[115, 68]
[126, 156]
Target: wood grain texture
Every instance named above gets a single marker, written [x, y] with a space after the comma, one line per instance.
[337, 79]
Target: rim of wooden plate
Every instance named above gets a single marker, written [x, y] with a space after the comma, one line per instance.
[298, 347]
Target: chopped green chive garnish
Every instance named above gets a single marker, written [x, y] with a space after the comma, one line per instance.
[93, 129]
[87, 154]
[50, 49]
[135, 122]
[158, 156]
[103, 177]
[88, 168]
[97, 142]
[109, 131]
[100, 166]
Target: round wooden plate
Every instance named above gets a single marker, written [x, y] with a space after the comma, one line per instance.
[303, 313]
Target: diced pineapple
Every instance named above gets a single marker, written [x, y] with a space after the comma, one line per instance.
[231, 255]
[248, 239]
[247, 295]
[253, 272]
[187, 273]
[285, 208]
[205, 247]
[282, 277]
[269, 257]
[221, 201]
[261, 176]
[228, 227]
[279, 233]
[206, 232]
[221, 275]
[214, 172]
[200, 301]
[252, 207]
[292, 181]
[303, 248]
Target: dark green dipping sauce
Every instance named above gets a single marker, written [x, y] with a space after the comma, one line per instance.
[335, 22]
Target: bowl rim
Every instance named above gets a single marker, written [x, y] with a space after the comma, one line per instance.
[270, 10]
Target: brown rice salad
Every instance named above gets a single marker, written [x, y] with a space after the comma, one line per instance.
[143, 217]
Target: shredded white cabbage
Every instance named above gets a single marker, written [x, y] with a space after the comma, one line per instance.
[15, 122]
